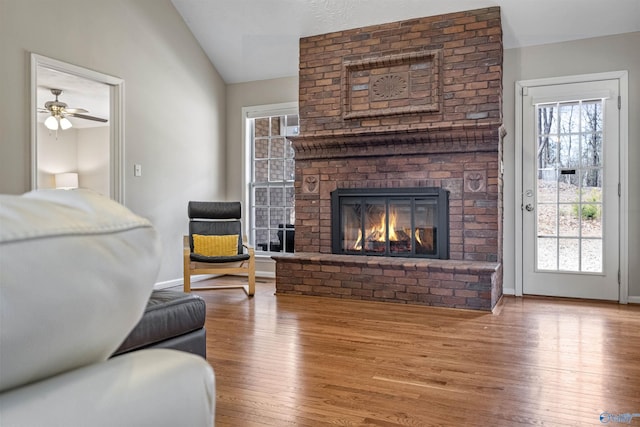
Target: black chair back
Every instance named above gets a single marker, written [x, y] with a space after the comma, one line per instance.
[215, 219]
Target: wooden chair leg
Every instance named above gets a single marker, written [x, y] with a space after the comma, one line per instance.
[186, 275]
[252, 285]
[252, 276]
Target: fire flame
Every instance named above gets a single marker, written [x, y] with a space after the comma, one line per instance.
[377, 232]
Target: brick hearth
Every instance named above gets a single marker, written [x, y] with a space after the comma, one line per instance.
[408, 104]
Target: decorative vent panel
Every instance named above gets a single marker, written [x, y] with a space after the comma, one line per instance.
[392, 84]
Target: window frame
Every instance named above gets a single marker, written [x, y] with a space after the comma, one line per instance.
[248, 114]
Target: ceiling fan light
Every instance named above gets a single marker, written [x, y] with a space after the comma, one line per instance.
[65, 123]
[51, 123]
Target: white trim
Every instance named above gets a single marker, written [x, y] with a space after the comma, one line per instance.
[624, 187]
[116, 133]
[520, 90]
[285, 108]
[202, 277]
[634, 300]
[623, 79]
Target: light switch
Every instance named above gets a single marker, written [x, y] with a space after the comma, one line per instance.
[137, 170]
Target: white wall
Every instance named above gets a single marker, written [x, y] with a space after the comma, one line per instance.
[85, 151]
[93, 159]
[58, 153]
[174, 101]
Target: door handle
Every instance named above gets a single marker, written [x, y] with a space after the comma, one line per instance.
[529, 207]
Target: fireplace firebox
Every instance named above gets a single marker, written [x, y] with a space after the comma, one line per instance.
[403, 222]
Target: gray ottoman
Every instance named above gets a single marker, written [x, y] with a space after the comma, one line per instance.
[172, 319]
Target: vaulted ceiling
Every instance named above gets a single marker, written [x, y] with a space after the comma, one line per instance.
[258, 39]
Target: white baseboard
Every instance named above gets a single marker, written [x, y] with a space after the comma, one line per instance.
[168, 284]
[179, 282]
[508, 291]
[633, 300]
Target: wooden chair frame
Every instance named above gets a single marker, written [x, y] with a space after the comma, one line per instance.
[239, 267]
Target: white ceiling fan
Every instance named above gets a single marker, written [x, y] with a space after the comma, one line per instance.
[59, 113]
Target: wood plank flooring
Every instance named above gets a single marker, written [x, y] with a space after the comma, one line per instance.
[307, 361]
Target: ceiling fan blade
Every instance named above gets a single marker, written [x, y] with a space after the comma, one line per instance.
[86, 117]
[75, 110]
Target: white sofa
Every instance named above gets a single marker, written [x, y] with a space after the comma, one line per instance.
[76, 271]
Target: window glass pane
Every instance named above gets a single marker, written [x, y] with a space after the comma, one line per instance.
[276, 196]
[569, 151]
[289, 170]
[592, 255]
[276, 170]
[567, 254]
[262, 127]
[277, 148]
[547, 152]
[276, 126]
[592, 150]
[568, 223]
[592, 116]
[261, 148]
[277, 217]
[547, 119]
[289, 152]
[261, 197]
[547, 186]
[262, 240]
[547, 254]
[547, 216]
[591, 226]
[569, 118]
[290, 196]
[290, 214]
[261, 173]
[262, 217]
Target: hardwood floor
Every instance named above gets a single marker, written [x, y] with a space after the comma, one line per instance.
[307, 361]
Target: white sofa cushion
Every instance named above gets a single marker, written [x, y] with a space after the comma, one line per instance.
[155, 387]
[76, 271]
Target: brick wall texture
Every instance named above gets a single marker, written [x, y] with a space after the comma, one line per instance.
[468, 48]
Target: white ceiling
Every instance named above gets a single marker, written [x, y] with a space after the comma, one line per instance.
[250, 40]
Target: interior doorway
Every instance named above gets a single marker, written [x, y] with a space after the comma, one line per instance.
[77, 128]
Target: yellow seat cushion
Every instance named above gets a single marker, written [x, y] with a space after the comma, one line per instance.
[226, 245]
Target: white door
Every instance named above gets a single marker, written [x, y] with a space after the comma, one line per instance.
[570, 194]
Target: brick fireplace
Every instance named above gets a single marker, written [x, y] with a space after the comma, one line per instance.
[410, 104]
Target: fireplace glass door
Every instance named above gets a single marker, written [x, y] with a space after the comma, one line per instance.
[391, 223]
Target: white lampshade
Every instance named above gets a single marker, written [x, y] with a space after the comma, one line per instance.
[65, 123]
[66, 181]
[51, 123]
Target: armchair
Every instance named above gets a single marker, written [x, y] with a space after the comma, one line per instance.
[215, 245]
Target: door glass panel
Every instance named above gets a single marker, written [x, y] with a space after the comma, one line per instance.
[590, 261]
[547, 216]
[569, 186]
[568, 249]
[547, 254]
[568, 222]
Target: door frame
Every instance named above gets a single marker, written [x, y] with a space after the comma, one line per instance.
[521, 87]
[116, 128]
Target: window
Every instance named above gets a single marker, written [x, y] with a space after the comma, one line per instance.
[272, 176]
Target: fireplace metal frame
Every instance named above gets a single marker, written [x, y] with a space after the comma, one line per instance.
[439, 194]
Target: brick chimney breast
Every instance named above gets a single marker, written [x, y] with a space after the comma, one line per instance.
[414, 103]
